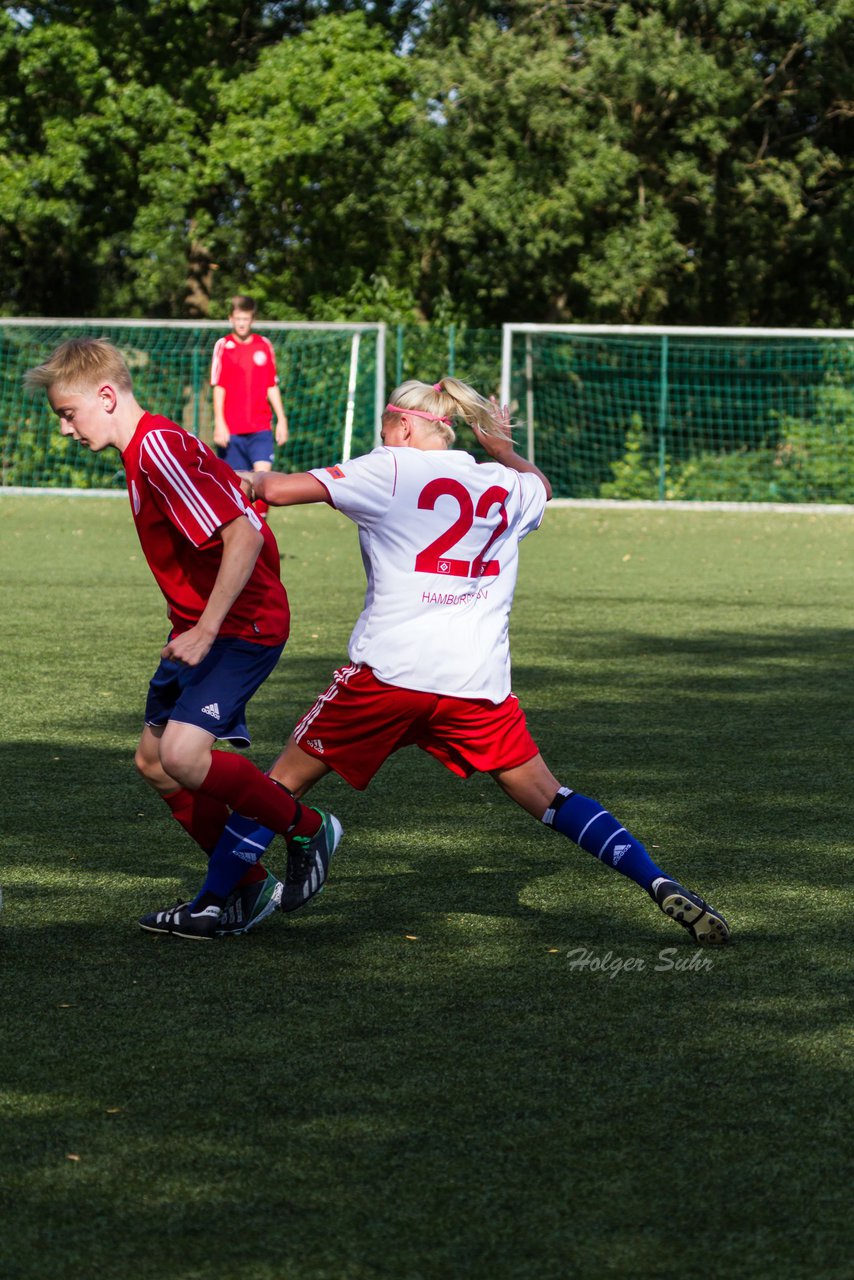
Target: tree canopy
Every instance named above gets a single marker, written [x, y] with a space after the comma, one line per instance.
[537, 160]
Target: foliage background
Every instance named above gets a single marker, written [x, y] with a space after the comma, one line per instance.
[473, 162]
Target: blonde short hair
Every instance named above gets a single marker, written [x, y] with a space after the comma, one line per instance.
[79, 365]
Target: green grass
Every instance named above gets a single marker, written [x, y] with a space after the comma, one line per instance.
[332, 1099]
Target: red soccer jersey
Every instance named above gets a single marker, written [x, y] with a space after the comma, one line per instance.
[246, 371]
[181, 494]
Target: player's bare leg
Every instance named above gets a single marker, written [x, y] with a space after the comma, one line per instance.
[201, 816]
[297, 770]
[532, 785]
[147, 761]
[584, 821]
[185, 753]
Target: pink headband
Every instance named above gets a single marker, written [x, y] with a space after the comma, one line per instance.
[416, 413]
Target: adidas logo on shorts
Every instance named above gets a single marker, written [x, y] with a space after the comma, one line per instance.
[212, 709]
[315, 744]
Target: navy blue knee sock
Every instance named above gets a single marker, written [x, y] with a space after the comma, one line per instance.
[598, 832]
[243, 841]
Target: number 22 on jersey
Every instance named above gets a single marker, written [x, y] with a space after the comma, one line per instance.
[433, 558]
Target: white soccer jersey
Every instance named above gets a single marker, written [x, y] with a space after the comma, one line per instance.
[440, 538]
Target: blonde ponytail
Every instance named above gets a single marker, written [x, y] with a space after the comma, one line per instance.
[442, 402]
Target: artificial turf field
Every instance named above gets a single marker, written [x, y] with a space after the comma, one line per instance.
[415, 1076]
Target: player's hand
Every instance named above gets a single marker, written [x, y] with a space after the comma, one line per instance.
[501, 417]
[221, 435]
[502, 443]
[247, 483]
[189, 648]
[282, 431]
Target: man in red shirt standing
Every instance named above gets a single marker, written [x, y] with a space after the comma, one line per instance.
[217, 565]
[245, 384]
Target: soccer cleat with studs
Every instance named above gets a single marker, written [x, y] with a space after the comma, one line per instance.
[249, 906]
[308, 862]
[705, 925]
[181, 922]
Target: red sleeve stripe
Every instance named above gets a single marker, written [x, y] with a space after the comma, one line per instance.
[156, 446]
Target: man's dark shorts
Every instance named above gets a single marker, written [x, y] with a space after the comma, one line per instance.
[214, 694]
[242, 452]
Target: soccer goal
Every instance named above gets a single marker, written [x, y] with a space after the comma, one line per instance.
[655, 413]
[332, 378]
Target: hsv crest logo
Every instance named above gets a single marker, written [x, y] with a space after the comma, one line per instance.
[260, 357]
[444, 567]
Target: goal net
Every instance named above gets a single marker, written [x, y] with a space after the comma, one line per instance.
[331, 378]
[741, 415]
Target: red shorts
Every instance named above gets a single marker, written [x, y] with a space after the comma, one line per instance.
[359, 722]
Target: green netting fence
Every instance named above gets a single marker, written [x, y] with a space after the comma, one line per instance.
[331, 378]
[682, 414]
[645, 413]
[428, 352]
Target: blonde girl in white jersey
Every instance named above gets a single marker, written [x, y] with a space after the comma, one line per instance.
[429, 658]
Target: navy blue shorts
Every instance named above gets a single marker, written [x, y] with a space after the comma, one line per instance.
[214, 694]
[242, 452]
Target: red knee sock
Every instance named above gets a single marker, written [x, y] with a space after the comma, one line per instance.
[261, 508]
[203, 818]
[244, 788]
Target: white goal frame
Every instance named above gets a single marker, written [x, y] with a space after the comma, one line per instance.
[628, 330]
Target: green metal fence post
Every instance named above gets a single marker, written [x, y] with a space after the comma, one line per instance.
[662, 422]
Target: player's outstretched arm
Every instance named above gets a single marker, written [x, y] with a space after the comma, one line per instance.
[280, 489]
